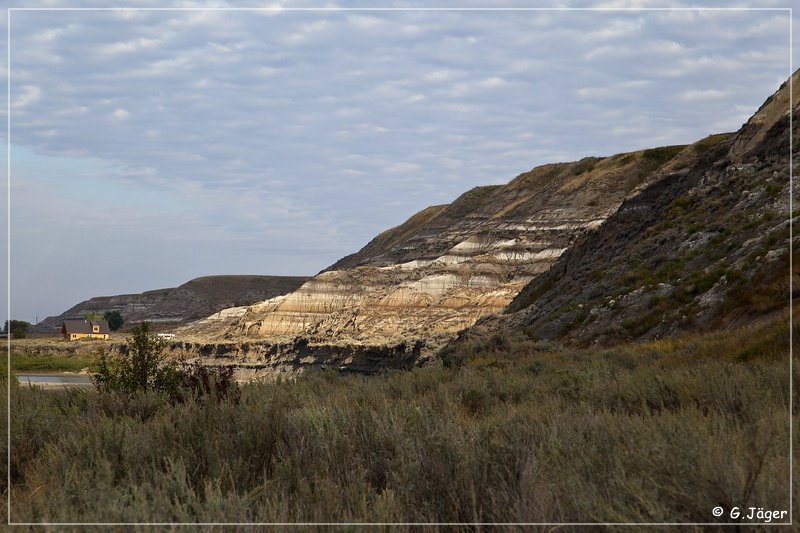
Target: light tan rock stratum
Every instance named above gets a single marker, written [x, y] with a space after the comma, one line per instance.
[447, 266]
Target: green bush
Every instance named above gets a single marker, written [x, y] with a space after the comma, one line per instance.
[663, 153]
[143, 369]
[114, 319]
[18, 328]
[704, 145]
[624, 160]
[585, 165]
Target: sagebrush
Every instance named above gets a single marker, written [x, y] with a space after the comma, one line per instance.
[532, 432]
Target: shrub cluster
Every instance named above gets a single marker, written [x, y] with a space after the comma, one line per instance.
[144, 369]
[657, 432]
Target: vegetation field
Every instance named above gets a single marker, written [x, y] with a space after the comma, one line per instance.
[45, 363]
[509, 430]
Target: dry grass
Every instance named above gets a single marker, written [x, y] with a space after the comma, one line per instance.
[514, 431]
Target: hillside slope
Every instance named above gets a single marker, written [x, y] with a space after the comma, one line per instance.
[193, 300]
[700, 249]
[448, 266]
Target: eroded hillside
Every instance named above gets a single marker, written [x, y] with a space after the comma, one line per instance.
[448, 266]
[700, 249]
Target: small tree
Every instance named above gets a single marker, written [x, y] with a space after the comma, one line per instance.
[114, 319]
[18, 328]
[143, 369]
[91, 315]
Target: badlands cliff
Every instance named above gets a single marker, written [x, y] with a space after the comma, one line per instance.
[633, 246]
[705, 248]
[606, 249]
[448, 266]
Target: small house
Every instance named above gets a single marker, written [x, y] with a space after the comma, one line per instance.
[73, 330]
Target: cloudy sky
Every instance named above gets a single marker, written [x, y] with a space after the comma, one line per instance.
[151, 147]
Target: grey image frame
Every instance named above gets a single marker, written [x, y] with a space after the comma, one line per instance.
[787, 10]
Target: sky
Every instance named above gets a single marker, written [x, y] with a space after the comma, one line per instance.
[151, 147]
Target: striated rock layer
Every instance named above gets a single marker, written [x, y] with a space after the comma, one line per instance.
[448, 266]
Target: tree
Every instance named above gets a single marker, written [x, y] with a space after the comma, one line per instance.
[18, 330]
[143, 369]
[91, 315]
[114, 319]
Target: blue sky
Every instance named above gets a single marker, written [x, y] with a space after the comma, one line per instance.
[151, 147]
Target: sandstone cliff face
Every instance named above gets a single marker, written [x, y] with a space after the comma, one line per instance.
[448, 266]
[193, 300]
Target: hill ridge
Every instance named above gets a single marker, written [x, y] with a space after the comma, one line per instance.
[174, 306]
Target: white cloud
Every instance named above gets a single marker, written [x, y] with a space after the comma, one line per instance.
[625, 50]
[307, 31]
[163, 67]
[365, 22]
[71, 111]
[527, 65]
[290, 131]
[28, 95]
[701, 95]
[441, 75]
[411, 30]
[127, 47]
[492, 83]
[48, 35]
[614, 90]
[615, 29]
[267, 71]
[128, 14]
[196, 19]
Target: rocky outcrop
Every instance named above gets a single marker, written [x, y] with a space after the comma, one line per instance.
[703, 248]
[448, 266]
[167, 308]
[762, 132]
[254, 360]
[264, 360]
